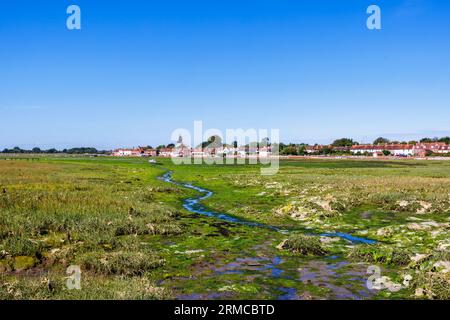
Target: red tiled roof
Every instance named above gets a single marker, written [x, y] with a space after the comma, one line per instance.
[383, 147]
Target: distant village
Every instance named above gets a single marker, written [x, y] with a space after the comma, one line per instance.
[380, 148]
[183, 151]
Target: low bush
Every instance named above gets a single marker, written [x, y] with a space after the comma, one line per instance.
[120, 263]
[380, 254]
[302, 244]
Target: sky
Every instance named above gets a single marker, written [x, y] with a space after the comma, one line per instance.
[139, 69]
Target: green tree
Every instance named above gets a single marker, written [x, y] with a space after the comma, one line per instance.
[326, 151]
[344, 142]
[445, 139]
[302, 150]
[428, 140]
[289, 150]
[381, 140]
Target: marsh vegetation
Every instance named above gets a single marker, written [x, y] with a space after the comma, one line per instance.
[132, 238]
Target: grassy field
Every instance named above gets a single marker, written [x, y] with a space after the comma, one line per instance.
[132, 239]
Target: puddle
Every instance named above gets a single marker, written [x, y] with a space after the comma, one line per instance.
[317, 273]
[288, 294]
[323, 274]
[251, 265]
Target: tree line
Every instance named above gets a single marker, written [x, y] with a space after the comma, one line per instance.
[82, 150]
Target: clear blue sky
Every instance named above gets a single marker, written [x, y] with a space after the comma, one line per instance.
[140, 69]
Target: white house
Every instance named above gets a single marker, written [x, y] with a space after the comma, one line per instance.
[394, 149]
[128, 152]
